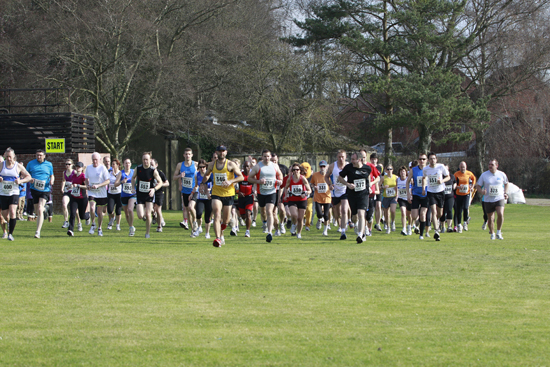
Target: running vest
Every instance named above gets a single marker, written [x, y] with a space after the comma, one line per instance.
[270, 175]
[144, 179]
[296, 189]
[401, 188]
[68, 181]
[221, 175]
[339, 189]
[417, 182]
[126, 187]
[113, 190]
[8, 187]
[188, 182]
[245, 187]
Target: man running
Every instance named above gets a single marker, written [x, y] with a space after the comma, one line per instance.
[416, 193]
[159, 196]
[339, 196]
[493, 184]
[41, 184]
[375, 176]
[226, 173]
[268, 177]
[434, 177]
[465, 182]
[185, 173]
[246, 197]
[143, 179]
[280, 207]
[12, 174]
[97, 179]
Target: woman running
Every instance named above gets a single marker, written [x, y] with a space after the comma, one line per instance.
[450, 187]
[389, 201]
[114, 204]
[297, 200]
[78, 198]
[66, 185]
[203, 201]
[404, 205]
[128, 194]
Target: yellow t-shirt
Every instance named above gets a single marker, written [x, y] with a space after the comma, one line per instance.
[391, 190]
[219, 177]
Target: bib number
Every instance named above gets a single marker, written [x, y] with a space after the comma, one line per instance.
[68, 186]
[39, 184]
[360, 184]
[127, 188]
[203, 196]
[187, 182]
[144, 186]
[432, 180]
[7, 186]
[296, 190]
[390, 192]
[495, 190]
[268, 185]
[322, 188]
[402, 193]
[419, 181]
[464, 189]
[113, 189]
[220, 178]
[448, 189]
[75, 191]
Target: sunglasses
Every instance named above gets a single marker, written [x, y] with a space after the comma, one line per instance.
[296, 169]
[422, 159]
[389, 169]
[68, 164]
[202, 166]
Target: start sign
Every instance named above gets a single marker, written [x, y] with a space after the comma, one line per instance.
[55, 145]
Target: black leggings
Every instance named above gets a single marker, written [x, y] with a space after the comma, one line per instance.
[80, 205]
[114, 200]
[462, 208]
[206, 207]
[322, 211]
[448, 208]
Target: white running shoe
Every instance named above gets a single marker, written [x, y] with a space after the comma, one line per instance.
[460, 228]
[207, 235]
[319, 224]
[163, 224]
[132, 231]
[393, 226]
[388, 230]
[277, 233]
[88, 221]
[409, 231]
[325, 232]
[109, 227]
[70, 233]
[420, 238]
[5, 235]
[147, 235]
[484, 226]
[65, 224]
[79, 227]
[385, 226]
[100, 232]
[339, 230]
[194, 234]
[223, 240]
[466, 226]
[283, 229]
[328, 226]
[118, 227]
[92, 230]
[247, 233]
[499, 236]
[253, 223]
[241, 222]
[159, 229]
[111, 221]
[200, 230]
[37, 234]
[10, 237]
[493, 236]
[299, 236]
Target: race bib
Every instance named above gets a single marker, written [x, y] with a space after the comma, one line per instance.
[39, 184]
[495, 190]
[75, 191]
[7, 186]
[402, 193]
[113, 189]
[296, 190]
[360, 184]
[432, 180]
[93, 191]
[187, 182]
[448, 189]
[68, 186]
[127, 188]
[322, 188]
[220, 178]
[203, 196]
[390, 192]
[419, 181]
[268, 185]
[144, 186]
[463, 189]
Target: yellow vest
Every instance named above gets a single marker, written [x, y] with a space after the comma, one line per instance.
[219, 177]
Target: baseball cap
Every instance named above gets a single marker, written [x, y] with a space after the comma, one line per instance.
[322, 163]
[79, 164]
[221, 148]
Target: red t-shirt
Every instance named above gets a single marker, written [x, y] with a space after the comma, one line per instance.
[245, 187]
[373, 174]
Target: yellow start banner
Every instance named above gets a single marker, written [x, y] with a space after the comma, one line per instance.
[55, 145]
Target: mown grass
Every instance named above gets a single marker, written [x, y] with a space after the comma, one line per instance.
[174, 300]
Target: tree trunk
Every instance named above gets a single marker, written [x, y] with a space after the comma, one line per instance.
[388, 151]
[424, 140]
[481, 147]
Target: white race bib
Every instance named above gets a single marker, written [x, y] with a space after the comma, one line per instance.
[68, 186]
[127, 188]
[268, 185]
[113, 189]
[402, 193]
[495, 190]
[463, 189]
[8, 187]
[39, 184]
[419, 181]
[75, 191]
[144, 186]
[187, 182]
[432, 180]
[390, 192]
[220, 178]
[322, 188]
[93, 191]
[203, 196]
[296, 190]
[360, 184]
[448, 189]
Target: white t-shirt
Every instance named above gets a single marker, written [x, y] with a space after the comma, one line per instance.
[96, 176]
[432, 175]
[494, 184]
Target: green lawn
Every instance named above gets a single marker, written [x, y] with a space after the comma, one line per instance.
[174, 300]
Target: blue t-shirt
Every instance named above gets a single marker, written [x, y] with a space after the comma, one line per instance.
[417, 182]
[127, 188]
[41, 172]
[188, 182]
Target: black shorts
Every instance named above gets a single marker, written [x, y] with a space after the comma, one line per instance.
[67, 193]
[159, 198]
[6, 201]
[358, 202]
[143, 198]
[298, 204]
[125, 200]
[246, 202]
[337, 200]
[492, 207]
[404, 203]
[98, 201]
[37, 195]
[186, 200]
[377, 197]
[226, 200]
[267, 199]
[419, 202]
[437, 198]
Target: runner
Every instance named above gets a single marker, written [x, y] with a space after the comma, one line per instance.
[254, 162]
[389, 201]
[404, 205]
[434, 176]
[114, 204]
[321, 197]
[466, 181]
[204, 201]
[416, 194]
[226, 174]
[235, 216]
[159, 196]
[339, 196]
[493, 184]
[78, 199]
[66, 186]
[449, 203]
[12, 174]
[374, 191]
[280, 207]
[185, 174]
[298, 193]
[267, 176]
[377, 193]
[128, 195]
[97, 179]
[41, 184]
[246, 198]
[358, 185]
[21, 204]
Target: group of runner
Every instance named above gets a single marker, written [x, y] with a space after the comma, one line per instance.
[355, 195]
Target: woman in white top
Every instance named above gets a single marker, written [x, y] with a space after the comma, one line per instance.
[66, 186]
[114, 204]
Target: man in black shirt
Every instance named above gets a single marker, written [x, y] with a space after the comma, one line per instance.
[159, 196]
[357, 189]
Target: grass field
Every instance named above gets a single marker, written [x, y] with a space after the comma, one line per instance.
[177, 301]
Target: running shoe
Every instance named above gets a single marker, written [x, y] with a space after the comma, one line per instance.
[328, 226]
[493, 236]
[37, 234]
[5, 235]
[254, 223]
[377, 227]
[92, 230]
[70, 233]
[223, 226]
[351, 224]
[299, 236]
[65, 224]
[403, 233]
[499, 236]
[385, 227]
[132, 231]
[393, 227]
[159, 229]
[293, 229]
[409, 231]
[207, 235]
[460, 228]
[437, 237]
[233, 233]
[88, 221]
[368, 233]
[359, 239]
[217, 243]
[268, 238]
[277, 233]
[288, 223]
[484, 226]
[199, 230]
[144, 218]
[184, 225]
[427, 235]
[449, 230]
[466, 226]
[339, 230]
[10, 237]
[79, 227]
[307, 228]
[109, 227]
[111, 221]
[325, 232]
[147, 235]
[100, 232]
[343, 236]
[223, 240]
[420, 237]
[283, 229]
[241, 222]
[118, 227]
[247, 233]
[154, 220]
[319, 224]
[416, 230]
[388, 231]
[163, 224]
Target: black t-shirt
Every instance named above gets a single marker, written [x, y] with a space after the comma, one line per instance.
[284, 169]
[357, 176]
[144, 175]
[449, 192]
